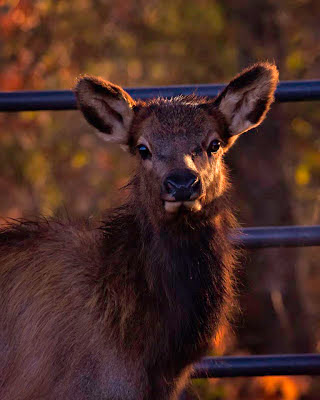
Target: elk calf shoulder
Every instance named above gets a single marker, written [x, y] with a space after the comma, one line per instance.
[122, 310]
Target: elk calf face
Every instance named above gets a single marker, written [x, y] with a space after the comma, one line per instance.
[179, 142]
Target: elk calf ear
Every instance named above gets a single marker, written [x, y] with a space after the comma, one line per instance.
[105, 106]
[247, 98]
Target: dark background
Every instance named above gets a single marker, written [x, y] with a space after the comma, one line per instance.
[52, 163]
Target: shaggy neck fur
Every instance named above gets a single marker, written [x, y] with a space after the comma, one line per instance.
[178, 277]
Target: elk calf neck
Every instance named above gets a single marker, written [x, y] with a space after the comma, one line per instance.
[121, 311]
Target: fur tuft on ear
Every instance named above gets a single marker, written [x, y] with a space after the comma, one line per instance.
[247, 98]
[105, 106]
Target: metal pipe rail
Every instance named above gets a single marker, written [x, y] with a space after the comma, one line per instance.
[278, 236]
[223, 367]
[287, 91]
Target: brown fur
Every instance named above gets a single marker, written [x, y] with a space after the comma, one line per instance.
[122, 310]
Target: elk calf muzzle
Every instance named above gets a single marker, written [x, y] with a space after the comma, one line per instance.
[181, 185]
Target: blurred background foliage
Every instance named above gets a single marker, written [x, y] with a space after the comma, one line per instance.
[51, 163]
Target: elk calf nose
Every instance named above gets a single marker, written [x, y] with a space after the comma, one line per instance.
[182, 185]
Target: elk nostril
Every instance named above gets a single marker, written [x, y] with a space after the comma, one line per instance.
[196, 184]
[194, 181]
[169, 186]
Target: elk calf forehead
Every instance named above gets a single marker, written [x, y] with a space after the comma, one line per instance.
[177, 124]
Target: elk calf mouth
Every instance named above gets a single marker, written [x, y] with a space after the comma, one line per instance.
[173, 207]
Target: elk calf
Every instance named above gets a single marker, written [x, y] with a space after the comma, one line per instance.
[121, 311]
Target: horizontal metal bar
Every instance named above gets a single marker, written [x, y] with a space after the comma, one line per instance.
[65, 100]
[223, 367]
[278, 236]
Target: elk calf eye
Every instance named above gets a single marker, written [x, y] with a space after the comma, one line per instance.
[144, 151]
[214, 146]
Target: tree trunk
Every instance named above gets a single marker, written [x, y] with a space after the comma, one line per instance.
[273, 316]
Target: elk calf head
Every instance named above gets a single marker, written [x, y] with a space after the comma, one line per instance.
[179, 142]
